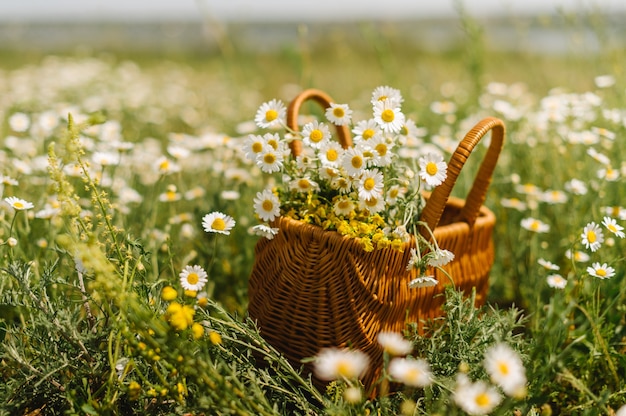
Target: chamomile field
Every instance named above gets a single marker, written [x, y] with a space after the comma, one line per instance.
[135, 186]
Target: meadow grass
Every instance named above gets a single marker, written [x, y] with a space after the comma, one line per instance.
[122, 156]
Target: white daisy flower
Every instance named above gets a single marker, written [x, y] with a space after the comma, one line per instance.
[267, 205]
[304, 184]
[534, 225]
[270, 160]
[388, 116]
[330, 154]
[394, 343]
[18, 204]
[340, 364]
[440, 258]
[578, 256]
[553, 197]
[264, 230]
[339, 114]
[556, 281]
[414, 260]
[506, 369]
[7, 180]
[19, 122]
[443, 107]
[373, 205]
[343, 206]
[170, 194]
[613, 226]
[547, 264]
[528, 189]
[270, 114]
[329, 173]
[105, 158]
[615, 211]
[166, 167]
[253, 146]
[423, 281]
[315, 134]
[576, 187]
[592, 236]
[608, 174]
[178, 152]
[353, 161]
[341, 184]
[602, 271]
[411, 372]
[599, 157]
[371, 184]
[514, 203]
[433, 169]
[385, 93]
[366, 130]
[477, 398]
[193, 278]
[273, 140]
[217, 222]
[395, 192]
[381, 151]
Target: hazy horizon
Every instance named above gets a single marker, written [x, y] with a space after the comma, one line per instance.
[280, 10]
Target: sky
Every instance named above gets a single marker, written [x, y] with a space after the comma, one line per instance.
[260, 10]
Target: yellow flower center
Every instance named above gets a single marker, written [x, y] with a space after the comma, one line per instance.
[345, 369]
[412, 374]
[372, 202]
[404, 130]
[381, 149]
[332, 155]
[273, 143]
[269, 158]
[393, 193]
[343, 204]
[164, 165]
[271, 115]
[303, 184]
[482, 400]
[18, 205]
[338, 112]
[431, 168]
[316, 136]
[331, 172]
[382, 98]
[503, 368]
[267, 205]
[193, 278]
[218, 224]
[368, 134]
[388, 115]
[534, 225]
[591, 236]
[257, 147]
[612, 228]
[357, 161]
[601, 272]
[369, 184]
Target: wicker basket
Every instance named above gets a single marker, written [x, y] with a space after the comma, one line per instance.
[310, 289]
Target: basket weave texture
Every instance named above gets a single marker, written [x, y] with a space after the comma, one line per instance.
[311, 289]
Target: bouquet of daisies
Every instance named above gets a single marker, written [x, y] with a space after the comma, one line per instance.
[366, 191]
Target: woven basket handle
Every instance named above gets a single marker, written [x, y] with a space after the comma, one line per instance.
[322, 99]
[437, 202]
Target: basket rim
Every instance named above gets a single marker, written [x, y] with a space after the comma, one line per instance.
[485, 221]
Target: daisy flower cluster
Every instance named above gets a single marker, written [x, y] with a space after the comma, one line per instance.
[366, 191]
[503, 365]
